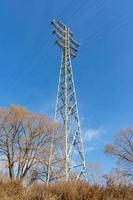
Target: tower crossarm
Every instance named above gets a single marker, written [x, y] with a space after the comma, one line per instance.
[58, 24]
[73, 50]
[59, 34]
[63, 32]
[74, 42]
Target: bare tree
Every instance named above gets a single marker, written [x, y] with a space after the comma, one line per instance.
[122, 150]
[115, 178]
[24, 141]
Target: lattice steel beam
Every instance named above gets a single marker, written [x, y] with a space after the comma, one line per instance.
[66, 112]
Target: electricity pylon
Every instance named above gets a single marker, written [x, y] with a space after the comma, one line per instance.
[66, 112]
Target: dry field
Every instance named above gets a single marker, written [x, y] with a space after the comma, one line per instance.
[72, 191]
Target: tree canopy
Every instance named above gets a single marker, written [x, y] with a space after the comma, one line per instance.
[122, 149]
[24, 141]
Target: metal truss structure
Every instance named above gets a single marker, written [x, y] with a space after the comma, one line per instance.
[66, 114]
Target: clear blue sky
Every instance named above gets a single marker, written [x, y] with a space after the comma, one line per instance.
[103, 69]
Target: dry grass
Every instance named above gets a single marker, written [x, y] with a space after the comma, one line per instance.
[72, 191]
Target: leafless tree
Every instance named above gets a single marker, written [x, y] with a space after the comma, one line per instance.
[122, 150]
[115, 178]
[24, 141]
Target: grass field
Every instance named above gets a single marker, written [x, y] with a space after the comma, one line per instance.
[72, 191]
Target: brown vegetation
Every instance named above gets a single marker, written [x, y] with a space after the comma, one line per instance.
[25, 139]
[72, 191]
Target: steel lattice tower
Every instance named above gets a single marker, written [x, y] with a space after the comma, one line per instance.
[66, 112]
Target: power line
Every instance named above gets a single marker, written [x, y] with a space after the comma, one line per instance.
[120, 21]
